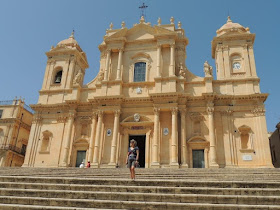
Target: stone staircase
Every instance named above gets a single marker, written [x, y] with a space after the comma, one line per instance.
[73, 188]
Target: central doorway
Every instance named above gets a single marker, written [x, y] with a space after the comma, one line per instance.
[198, 158]
[141, 143]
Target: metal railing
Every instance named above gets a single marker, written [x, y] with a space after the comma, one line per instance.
[8, 102]
[13, 148]
[28, 108]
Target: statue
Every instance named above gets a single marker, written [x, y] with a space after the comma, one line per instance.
[182, 71]
[78, 78]
[208, 70]
[100, 75]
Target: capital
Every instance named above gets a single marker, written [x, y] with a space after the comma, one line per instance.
[174, 110]
[210, 110]
[117, 113]
[100, 113]
[183, 111]
[94, 115]
[156, 110]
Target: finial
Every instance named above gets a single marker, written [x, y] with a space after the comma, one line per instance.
[172, 20]
[229, 20]
[179, 25]
[123, 24]
[142, 20]
[72, 34]
[111, 26]
[159, 21]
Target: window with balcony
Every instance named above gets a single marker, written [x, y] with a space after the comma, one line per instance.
[139, 72]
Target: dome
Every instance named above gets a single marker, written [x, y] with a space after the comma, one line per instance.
[70, 41]
[231, 27]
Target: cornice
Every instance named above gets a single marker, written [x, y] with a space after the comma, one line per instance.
[56, 91]
[137, 84]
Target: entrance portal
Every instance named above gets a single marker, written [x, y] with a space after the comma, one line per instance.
[141, 143]
[198, 158]
[81, 157]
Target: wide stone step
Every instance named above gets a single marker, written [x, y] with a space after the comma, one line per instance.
[111, 204]
[19, 207]
[150, 197]
[151, 182]
[144, 189]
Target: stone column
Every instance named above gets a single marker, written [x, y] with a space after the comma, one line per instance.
[92, 135]
[172, 59]
[183, 138]
[119, 64]
[158, 59]
[95, 162]
[252, 61]
[115, 138]
[108, 58]
[174, 138]
[31, 141]
[213, 161]
[68, 137]
[155, 162]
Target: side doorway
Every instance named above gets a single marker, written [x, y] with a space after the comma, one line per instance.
[81, 157]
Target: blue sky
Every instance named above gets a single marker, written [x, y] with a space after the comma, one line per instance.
[28, 29]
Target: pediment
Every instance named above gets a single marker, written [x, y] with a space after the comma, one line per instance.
[140, 31]
[81, 141]
[197, 139]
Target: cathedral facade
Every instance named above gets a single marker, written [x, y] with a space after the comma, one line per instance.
[144, 91]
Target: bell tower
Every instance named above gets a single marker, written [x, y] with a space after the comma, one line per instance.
[65, 70]
[232, 50]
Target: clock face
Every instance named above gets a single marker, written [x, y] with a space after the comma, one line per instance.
[236, 65]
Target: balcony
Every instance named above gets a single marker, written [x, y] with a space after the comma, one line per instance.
[20, 151]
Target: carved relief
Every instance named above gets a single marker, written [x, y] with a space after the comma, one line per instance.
[78, 78]
[258, 111]
[100, 76]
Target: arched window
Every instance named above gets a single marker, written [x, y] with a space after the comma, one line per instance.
[58, 76]
[139, 72]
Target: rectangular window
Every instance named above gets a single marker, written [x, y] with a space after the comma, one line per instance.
[139, 72]
[1, 112]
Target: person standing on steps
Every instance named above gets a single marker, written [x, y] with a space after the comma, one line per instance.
[132, 158]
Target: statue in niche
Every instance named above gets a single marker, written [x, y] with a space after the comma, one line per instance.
[100, 75]
[78, 78]
[182, 71]
[208, 70]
